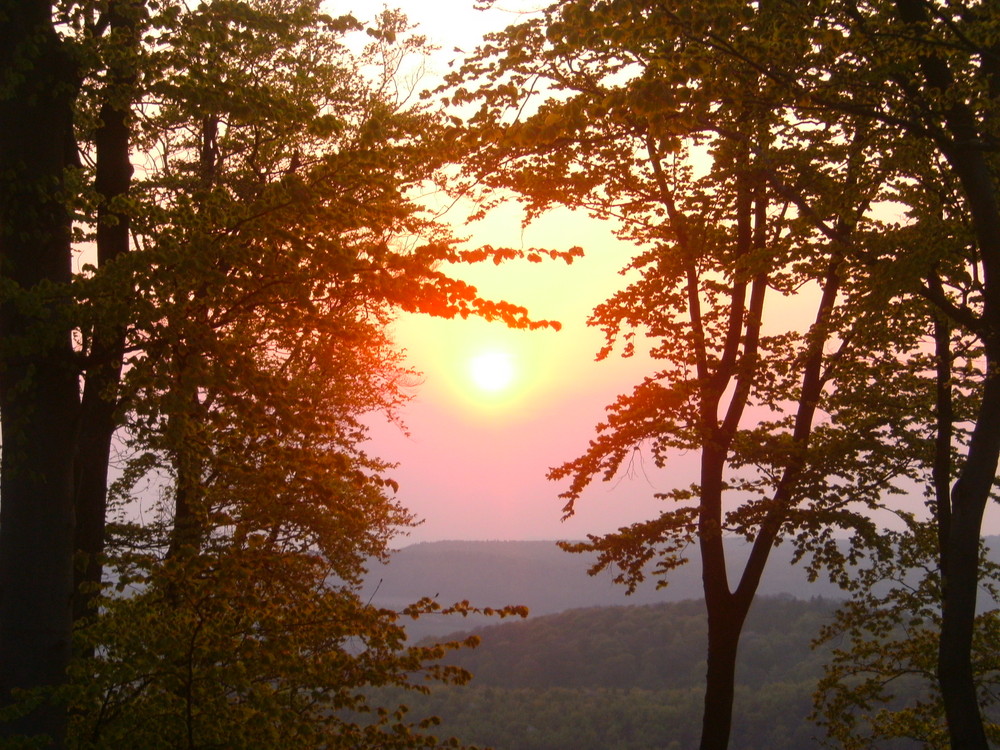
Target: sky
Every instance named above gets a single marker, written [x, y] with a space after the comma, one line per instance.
[473, 462]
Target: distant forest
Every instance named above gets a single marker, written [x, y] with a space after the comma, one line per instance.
[632, 678]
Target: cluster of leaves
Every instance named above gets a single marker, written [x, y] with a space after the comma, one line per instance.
[614, 109]
[249, 648]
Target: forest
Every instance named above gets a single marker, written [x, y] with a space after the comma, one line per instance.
[212, 213]
[629, 678]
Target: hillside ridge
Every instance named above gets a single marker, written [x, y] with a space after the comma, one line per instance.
[539, 575]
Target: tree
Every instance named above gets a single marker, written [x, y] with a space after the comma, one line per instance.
[231, 333]
[920, 78]
[805, 426]
[942, 97]
[881, 683]
[894, 633]
[924, 75]
[39, 404]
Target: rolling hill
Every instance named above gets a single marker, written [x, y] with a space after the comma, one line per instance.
[544, 578]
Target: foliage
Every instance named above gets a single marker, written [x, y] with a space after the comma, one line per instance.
[650, 130]
[828, 113]
[922, 73]
[237, 342]
[881, 683]
[645, 115]
[249, 649]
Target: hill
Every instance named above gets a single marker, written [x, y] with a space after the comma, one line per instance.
[631, 678]
[586, 671]
[546, 579]
[651, 647]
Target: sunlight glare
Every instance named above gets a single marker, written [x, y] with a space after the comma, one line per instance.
[492, 371]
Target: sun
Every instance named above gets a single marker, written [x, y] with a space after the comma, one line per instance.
[492, 371]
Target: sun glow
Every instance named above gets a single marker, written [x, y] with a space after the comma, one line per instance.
[490, 374]
[492, 371]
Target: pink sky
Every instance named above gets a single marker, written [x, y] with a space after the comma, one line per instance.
[474, 466]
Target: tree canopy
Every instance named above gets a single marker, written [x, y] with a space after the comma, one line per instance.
[207, 218]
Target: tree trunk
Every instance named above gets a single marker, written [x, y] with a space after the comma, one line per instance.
[98, 420]
[968, 502]
[960, 141]
[39, 388]
[955, 675]
[972, 488]
[725, 625]
[726, 612]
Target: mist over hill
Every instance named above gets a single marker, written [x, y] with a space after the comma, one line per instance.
[546, 579]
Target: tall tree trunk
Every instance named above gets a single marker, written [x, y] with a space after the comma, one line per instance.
[39, 388]
[724, 622]
[725, 626]
[190, 521]
[955, 642]
[959, 140]
[98, 420]
[972, 488]
[961, 580]
[725, 612]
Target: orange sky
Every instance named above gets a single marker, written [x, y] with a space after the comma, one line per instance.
[474, 464]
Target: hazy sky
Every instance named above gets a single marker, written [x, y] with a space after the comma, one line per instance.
[474, 463]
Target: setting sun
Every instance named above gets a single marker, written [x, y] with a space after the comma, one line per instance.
[492, 371]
